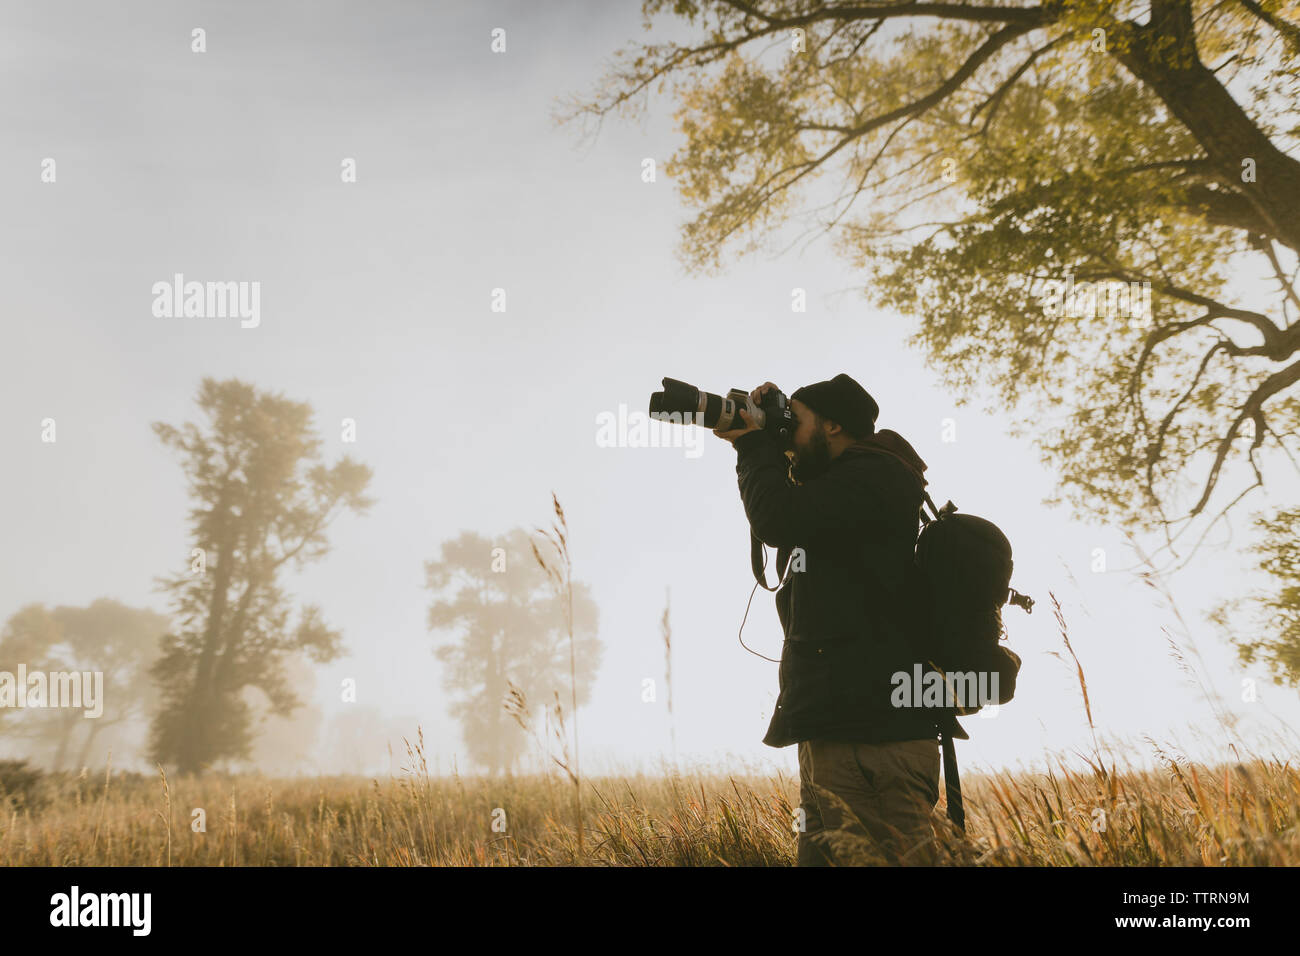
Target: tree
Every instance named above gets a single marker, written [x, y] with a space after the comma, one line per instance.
[509, 626]
[287, 743]
[1003, 167]
[1266, 628]
[263, 502]
[107, 637]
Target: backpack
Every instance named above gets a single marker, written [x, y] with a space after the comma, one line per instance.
[951, 602]
[954, 591]
[956, 587]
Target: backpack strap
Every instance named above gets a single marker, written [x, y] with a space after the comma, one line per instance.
[952, 782]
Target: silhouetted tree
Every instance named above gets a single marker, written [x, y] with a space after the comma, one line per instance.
[262, 502]
[118, 641]
[510, 627]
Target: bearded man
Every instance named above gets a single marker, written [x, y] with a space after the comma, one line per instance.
[848, 501]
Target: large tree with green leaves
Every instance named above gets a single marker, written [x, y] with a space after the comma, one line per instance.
[506, 624]
[974, 159]
[262, 502]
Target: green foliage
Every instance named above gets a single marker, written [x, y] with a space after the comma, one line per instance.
[968, 157]
[1266, 627]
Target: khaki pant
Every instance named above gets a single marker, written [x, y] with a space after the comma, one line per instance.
[867, 804]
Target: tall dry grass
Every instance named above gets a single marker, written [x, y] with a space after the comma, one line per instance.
[1184, 815]
[1244, 813]
[1188, 816]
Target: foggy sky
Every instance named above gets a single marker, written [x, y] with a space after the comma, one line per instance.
[375, 305]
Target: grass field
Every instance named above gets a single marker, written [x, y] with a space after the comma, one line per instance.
[1244, 814]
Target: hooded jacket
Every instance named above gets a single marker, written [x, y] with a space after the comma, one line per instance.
[855, 529]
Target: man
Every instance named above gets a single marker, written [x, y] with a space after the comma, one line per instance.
[847, 515]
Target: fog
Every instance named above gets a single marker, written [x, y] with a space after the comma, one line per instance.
[380, 304]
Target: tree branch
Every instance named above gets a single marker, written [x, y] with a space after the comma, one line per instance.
[1252, 409]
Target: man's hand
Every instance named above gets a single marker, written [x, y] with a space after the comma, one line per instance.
[757, 396]
[735, 433]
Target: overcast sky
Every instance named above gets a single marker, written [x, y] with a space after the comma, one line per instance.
[376, 305]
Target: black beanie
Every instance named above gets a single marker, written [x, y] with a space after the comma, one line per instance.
[844, 402]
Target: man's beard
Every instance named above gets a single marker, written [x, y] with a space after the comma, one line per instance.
[813, 460]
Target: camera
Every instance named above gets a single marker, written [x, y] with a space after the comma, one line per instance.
[683, 404]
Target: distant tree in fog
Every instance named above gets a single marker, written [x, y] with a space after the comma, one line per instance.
[506, 624]
[289, 743]
[262, 501]
[118, 641]
[360, 739]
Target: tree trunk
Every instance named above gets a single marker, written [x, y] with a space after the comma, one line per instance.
[66, 727]
[84, 756]
[194, 745]
[1195, 96]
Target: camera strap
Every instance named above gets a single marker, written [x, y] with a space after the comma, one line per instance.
[758, 564]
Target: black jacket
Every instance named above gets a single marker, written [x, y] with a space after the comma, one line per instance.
[856, 527]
